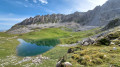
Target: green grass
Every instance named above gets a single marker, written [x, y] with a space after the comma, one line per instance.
[2, 34]
[105, 54]
[77, 36]
[49, 33]
[8, 47]
[101, 55]
[65, 36]
[54, 55]
[7, 44]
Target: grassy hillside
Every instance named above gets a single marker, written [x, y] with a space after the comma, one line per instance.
[49, 33]
[103, 53]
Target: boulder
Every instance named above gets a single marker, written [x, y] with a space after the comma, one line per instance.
[59, 64]
[112, 43]
[114, 48]
[67, 64]
[88, 41]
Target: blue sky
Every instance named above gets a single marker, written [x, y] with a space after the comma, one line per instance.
[14, 11]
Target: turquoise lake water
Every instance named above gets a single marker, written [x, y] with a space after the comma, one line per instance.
[31, 49]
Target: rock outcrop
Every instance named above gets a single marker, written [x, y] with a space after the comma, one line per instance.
[112, 24]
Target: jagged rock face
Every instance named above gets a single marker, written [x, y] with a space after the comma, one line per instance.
[75, 17]
[100, 16]
[111, 4]
[54, 18]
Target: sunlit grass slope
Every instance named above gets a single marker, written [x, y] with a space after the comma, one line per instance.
[65, 36]
[49, 33]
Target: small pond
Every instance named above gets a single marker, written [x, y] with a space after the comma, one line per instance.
[32, 48]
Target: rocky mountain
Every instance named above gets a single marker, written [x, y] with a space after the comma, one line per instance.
[54, 18]
[112, 24]
[100, 16]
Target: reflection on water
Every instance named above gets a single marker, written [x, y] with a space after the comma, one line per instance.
[46, 42]
[33, 48]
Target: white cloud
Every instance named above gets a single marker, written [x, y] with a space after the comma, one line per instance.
[8, 23]
[44, 1]
[26, 0]
[18, 2]
[35, 1]
[83, 5]
[11, 19]
[25, 5]
[21, 3]
[98, 2]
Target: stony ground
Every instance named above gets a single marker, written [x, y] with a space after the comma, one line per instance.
[24, 62]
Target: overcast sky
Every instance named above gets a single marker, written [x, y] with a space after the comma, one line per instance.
[14, 11]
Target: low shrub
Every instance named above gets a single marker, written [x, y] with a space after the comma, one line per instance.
[70, 50]
[97, 61]
[104, 41]
[90, 57]
[75, 56]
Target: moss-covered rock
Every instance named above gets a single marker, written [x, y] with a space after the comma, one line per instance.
[116, 41]
[114, 35]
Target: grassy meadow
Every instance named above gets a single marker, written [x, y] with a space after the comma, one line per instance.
[95, 56]
[8, 44]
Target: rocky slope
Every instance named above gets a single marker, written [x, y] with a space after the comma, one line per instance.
[112, 24]
[96, 51]
[99, 16]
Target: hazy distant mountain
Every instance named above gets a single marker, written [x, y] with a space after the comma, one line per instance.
[1, 30]
[99, 16]
[4, 27]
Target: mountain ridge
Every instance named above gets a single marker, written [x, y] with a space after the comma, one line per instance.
[99, 16]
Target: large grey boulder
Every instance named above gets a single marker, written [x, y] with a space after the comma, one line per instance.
[67, 64]
[87, 41]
